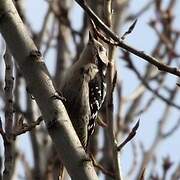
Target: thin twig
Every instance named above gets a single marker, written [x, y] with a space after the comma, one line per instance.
[142, 177]
[130, 136]
[101, 168]
[155, 92]
[129, 31]
[25, 128]
[172, 130]
[167, 164]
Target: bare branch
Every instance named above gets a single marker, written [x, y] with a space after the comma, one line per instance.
[27, 127]
[8, 145]
[120, 43]
[129, 31]
[111, 82]
[142, 177]
[167, 163]
[172, 130]
[130, 136]
[39, 82]
[131, 65]
[101, 168]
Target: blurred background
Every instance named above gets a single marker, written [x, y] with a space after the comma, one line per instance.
[60, 31]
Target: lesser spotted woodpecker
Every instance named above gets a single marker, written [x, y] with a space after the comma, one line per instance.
[84, 88]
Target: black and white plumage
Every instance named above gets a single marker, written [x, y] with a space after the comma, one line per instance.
[84, 88]
[97, 93]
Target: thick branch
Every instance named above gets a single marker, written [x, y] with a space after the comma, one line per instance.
[109, 97]
[41, 87]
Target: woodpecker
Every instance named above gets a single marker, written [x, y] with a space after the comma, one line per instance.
[84, 88]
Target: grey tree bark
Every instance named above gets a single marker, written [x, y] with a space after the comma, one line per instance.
[41, 87]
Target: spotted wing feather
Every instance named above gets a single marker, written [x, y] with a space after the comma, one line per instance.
[96, 98]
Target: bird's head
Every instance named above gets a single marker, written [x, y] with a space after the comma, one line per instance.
[98, 51]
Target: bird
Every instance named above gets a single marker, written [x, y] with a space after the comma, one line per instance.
[84, 88]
